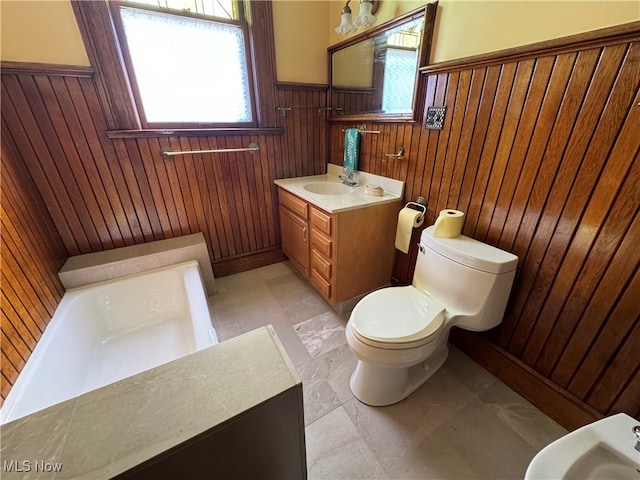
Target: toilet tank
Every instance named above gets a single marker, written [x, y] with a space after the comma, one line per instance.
[471, 279]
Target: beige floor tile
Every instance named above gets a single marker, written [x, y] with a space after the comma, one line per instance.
[490, 447]
[440, 398]
[223, 316]
[430, 458]
[319, 397]
[298, 354]
[252, 299]
[337, 365]
[336, 451]
[393, 432]
[286, 285]
[264, 311]
[239, 281]
[388, 431]
[275, 270]
[468, 372]
[535, 427]
[301, 306]
[322, 333]
[297, 298]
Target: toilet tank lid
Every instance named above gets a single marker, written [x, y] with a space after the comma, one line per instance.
[470, 252]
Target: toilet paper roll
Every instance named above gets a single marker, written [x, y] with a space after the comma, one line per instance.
[408, 219]
[448, 224]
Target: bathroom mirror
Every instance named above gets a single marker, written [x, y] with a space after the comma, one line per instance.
[374, 75]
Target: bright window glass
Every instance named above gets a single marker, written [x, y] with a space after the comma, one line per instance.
[188, 70]
[399, 78]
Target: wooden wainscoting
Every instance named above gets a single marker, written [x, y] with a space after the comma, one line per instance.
[32, 253]
[541, 153]
[108, 192]
[354, 101]
[104, 190]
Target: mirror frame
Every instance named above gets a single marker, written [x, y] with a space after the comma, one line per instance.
[428, 11]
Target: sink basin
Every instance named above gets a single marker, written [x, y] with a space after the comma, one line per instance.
[603, 449]
[328, 188]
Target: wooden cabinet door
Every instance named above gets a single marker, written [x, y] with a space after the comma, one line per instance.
[295, 239]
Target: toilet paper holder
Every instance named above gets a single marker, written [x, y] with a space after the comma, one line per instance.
[419, 207]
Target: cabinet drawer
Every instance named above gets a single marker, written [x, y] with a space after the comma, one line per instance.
[321, 243]
[321, 284]
[321, 220]
[319, 263]
[293, 203]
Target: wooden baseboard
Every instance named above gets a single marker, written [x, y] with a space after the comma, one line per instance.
[242, 263]
[566, 409]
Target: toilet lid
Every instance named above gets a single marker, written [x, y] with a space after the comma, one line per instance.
[397, 315]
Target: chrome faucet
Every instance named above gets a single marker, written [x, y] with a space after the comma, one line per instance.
[348, 177]
[636, 433]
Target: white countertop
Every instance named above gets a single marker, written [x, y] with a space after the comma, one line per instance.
[393, 190]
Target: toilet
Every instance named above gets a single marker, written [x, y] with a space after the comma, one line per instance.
[399, 334]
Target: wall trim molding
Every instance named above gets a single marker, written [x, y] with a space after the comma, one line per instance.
[50, 69]
[564, 408]
[572, 43]
[191, 132]
[320, 87]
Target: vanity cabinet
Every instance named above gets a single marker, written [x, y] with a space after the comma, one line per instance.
[345, 254]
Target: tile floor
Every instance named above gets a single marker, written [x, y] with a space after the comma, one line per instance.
[463, 423]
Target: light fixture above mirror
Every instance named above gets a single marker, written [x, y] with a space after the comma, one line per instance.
[365, 18]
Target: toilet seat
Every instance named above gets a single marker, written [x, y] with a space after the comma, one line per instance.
[397, 317]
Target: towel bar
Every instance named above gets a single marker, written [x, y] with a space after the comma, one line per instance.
[167, 153]
[363, 129]
[399, 155]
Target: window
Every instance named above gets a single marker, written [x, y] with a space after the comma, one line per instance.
[401, 62]
[399, 78]
[187, 61]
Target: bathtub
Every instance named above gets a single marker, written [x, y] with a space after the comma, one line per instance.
[111, 330]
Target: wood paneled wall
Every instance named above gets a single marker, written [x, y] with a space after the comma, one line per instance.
[104, 193]
[542, 155]
[32, 253]
[353, 102]
[101, 193]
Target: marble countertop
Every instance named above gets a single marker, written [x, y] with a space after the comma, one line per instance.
[110, 430]
[393, 190]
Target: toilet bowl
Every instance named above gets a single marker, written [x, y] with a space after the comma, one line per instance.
[395, 358]
[399, 334]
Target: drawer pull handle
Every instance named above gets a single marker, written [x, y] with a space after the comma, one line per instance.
[304, 234]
